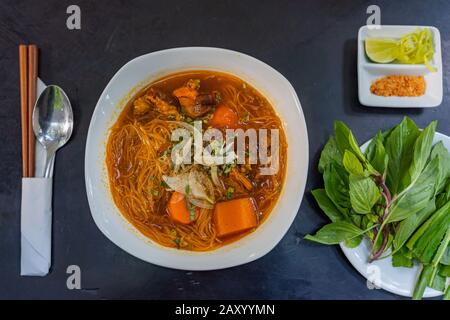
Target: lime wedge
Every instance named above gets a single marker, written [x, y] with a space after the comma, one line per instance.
[381, 50]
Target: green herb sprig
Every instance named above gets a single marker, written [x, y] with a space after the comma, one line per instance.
[396, 194]
[190, 208]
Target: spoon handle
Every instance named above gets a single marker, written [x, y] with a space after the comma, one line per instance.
[48, 163]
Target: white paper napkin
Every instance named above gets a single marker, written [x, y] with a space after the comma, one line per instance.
[36, 216]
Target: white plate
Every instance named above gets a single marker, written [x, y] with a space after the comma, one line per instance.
[397, 280]
[368, 71]
[150, 67]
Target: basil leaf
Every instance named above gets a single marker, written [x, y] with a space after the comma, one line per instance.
[352, 164]
[381, 137]
[432, 220]
[446, 293]
[368, 220]
[426, 247]
[444, 270]
[421, 153]
[407, 227]
[440, 200]
[445, 195]
[336, 186]
[424, 279]
[402, 258]
[370, 150]
[399, 144]
[438, 282]
[353, 242]
[376, 154]
[345, 140]
[418, 195]
[330, 154]
[442, 246]
[439, 151]
[364, 193]
[327, 205]
[380, 240]
[357, 219]
[446, 257]
[335, 233]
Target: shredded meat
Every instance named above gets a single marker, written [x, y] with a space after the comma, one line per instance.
[208, 99]
[192, 102]
[242, 179]
[141, 106]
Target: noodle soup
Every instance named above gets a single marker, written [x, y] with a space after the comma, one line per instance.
[193, 205]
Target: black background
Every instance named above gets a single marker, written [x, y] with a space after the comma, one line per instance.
[312, 43]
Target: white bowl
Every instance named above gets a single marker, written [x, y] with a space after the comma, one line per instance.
[397, 280]
[147, 68]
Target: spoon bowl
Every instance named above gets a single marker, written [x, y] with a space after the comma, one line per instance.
[52, 121]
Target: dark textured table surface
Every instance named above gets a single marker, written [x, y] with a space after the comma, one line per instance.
[313, 43]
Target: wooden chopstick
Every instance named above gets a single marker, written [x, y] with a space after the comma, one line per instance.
[28, 65]
[23, 66]
[32, 79]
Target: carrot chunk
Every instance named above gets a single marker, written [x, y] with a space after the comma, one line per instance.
[235, 216]
[224, 117]
[178, 211]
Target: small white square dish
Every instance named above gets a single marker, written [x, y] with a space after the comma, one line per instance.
[368, 71]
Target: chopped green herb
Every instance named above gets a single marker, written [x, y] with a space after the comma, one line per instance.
[166, 152]
[229, 193]
[194, 83]
[190, 208]
[189, 120]
[177, 239]
[216, 147]
[246, 117]
[218, 97]
[228, 167]
[155, 192]
[164, 184]
[177, 242]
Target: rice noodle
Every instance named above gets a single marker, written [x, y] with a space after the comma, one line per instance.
[137, 163]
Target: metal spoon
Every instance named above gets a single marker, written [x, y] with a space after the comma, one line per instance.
[52, 122]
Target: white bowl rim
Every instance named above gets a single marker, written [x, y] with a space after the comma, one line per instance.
[211, 265]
